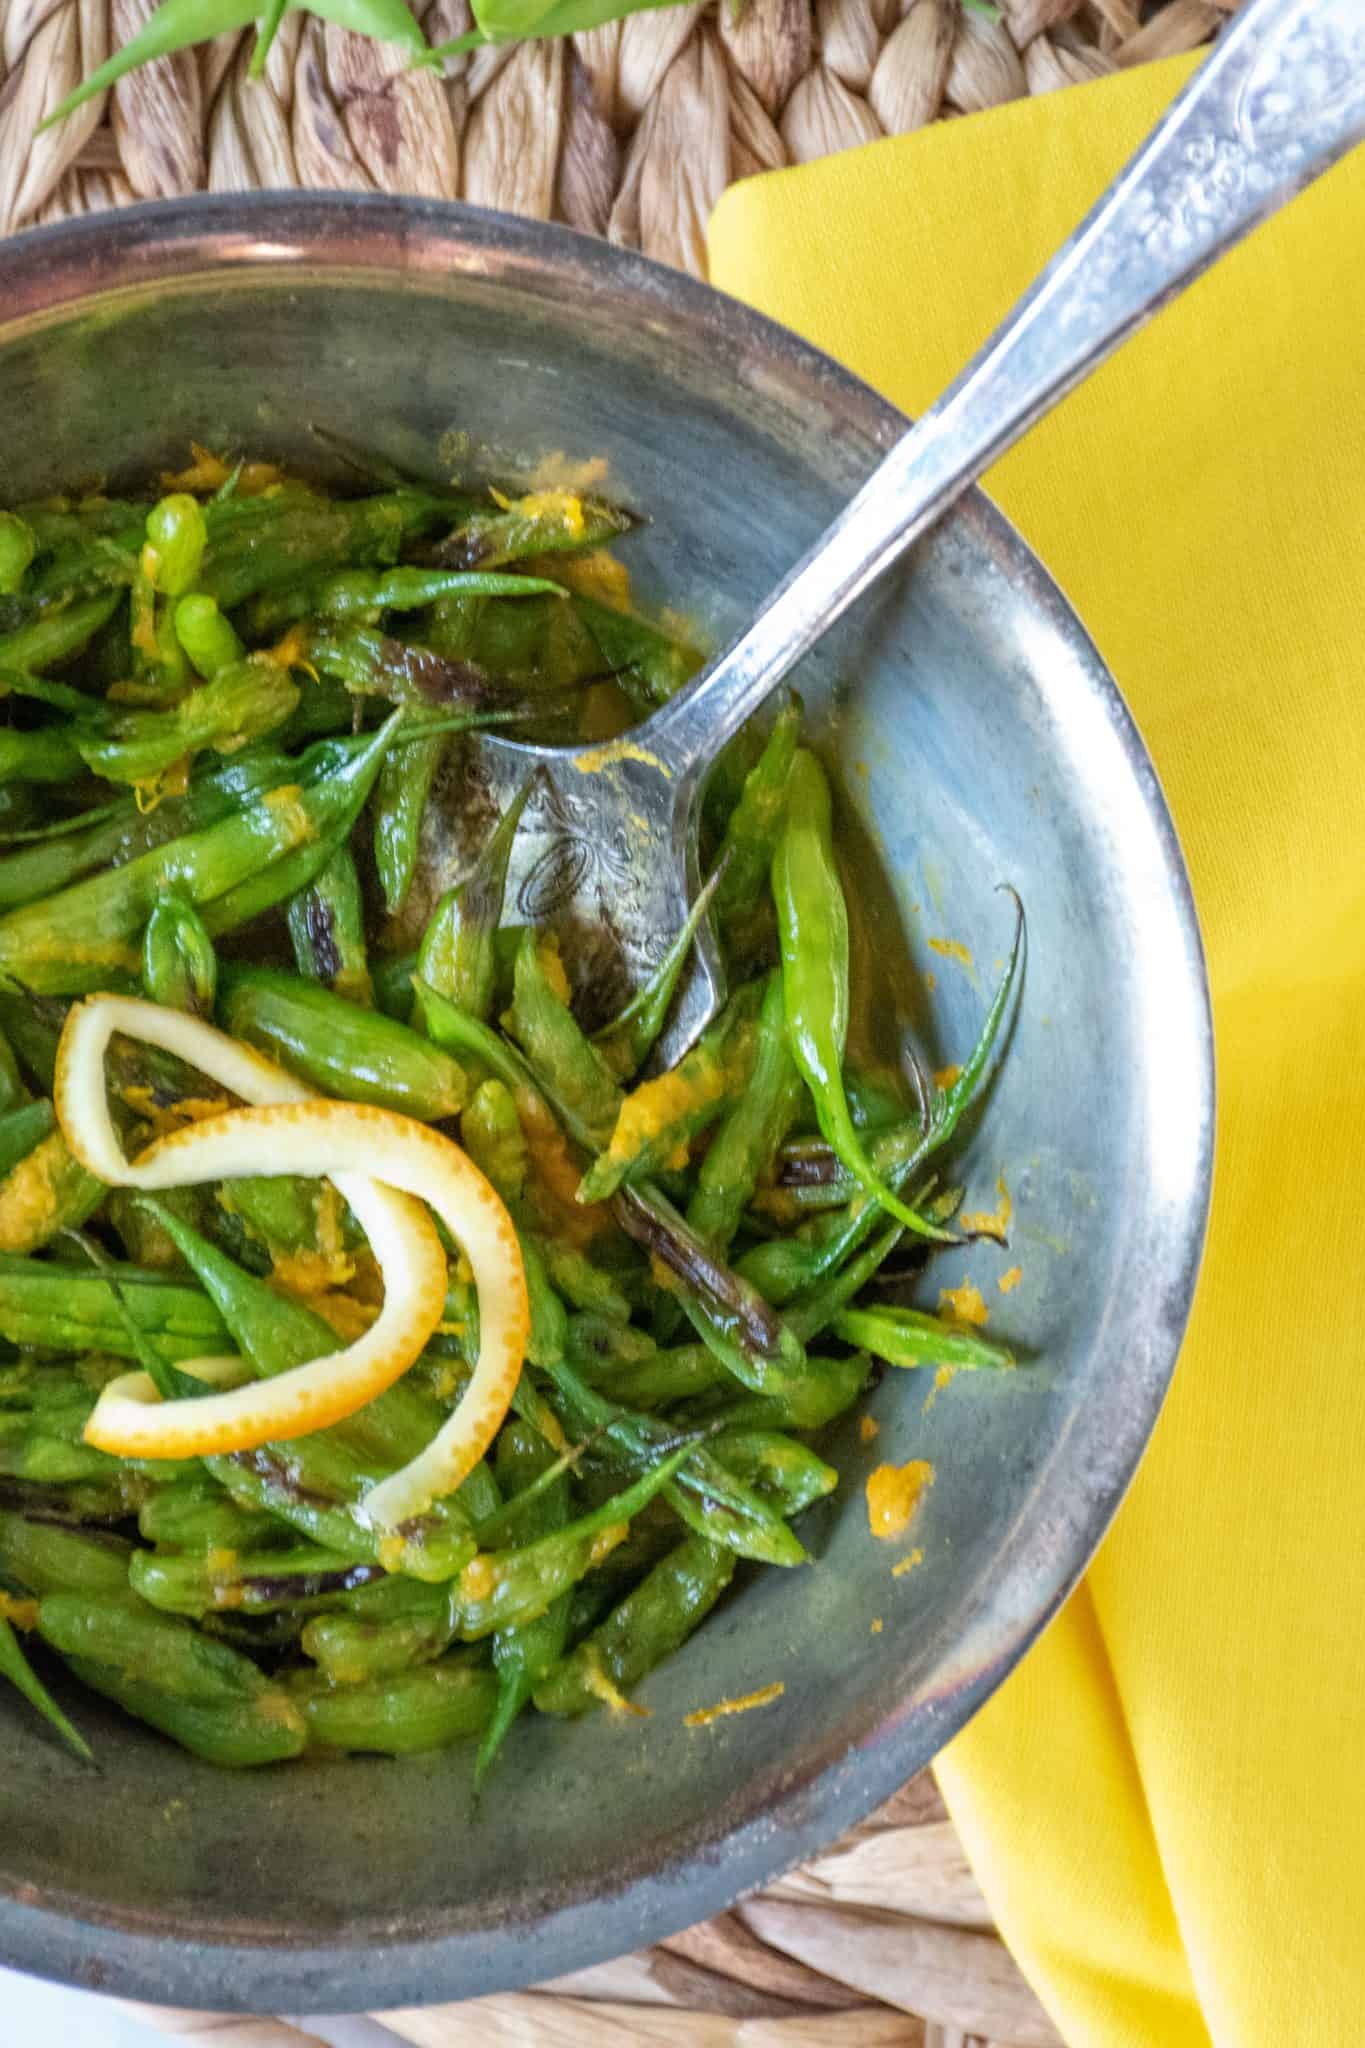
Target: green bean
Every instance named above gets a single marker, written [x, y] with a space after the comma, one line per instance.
[15, 1667]
[43, 1414]
[51, 754]
[456, 954]
[142, 1237]
[400, 802]
[663, 1377]
[242, 703]
[391, 978]
[19, 815]
[59, 1307]
[176, 539]
[743, 909]
[374, 664]
[495, 1140]
[584, 1286]
[344, 1050]
[160, 670]
[812, 1311]
[327, 711]
[327, 930]
[27, 1454]
[812, 920]
[120, 1630]
[703, 1493]
[783, 1267]
[649, 664]
[57, 636]
[195, 1514]
[260, 544]
[752, 1129]
[907, 1336]
[544, 523]
[777, 1467]
[491, 1133]
[179, 965]
[42, 1557]
[660, 1116]
[407, 1713]
[567, 1066]
[208, 639]
[364, 595]
[56, 696]
[83, 938]
[261, 1219]
[642, 1630]
[123, 831]
[21, 1130]
[210, 1698]
[524, 1653]
[13, 1093]
[504, 1588]
[541, 648]
[598, 1345]
[452, 1028]
[836, 1384]
[274, 1333]
[303, 1579]
[626, 1043]
[317, 1484]
[232, 1733]
[382, 1630]
[47, 1191]
[761, 1349]
[18, 545]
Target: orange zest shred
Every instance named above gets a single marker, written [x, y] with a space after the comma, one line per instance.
[1010, 1280]
[964, 1304]
[907, 1564]
[702, 1717]
[19, 1613]
[991, 1222]
[209, 472]
[944, 1377]
[600, 1684]
[893, 1494]
[606, 1540]
[382, 1164]
[478, 1578]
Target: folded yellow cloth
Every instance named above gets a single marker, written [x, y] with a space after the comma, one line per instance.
[1166, 1803]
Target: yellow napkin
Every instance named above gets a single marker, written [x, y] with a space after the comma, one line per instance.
[1166, 1803]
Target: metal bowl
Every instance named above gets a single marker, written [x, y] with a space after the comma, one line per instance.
[978, 738]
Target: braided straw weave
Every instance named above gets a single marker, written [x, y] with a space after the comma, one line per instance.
[632, 130]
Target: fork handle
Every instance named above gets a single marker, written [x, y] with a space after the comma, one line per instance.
[1280, 98]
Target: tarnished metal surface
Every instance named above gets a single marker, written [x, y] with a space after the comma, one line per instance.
[977, 738]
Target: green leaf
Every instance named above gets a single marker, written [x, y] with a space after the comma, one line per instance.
[14, 1666]
[176, 25]
[180, 24]
[388, 21]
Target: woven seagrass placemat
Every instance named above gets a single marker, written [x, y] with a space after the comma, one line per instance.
[632, 131]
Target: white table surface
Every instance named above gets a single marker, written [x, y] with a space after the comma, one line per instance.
[38, 2015]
